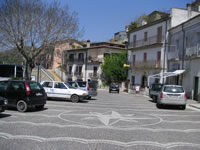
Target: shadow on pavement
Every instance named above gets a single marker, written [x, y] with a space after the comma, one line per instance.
[2, 115]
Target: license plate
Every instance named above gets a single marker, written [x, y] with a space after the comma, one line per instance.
[38, 94]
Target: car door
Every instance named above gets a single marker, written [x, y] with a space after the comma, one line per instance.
[3, 88]
[60, 90]
[48, 87]
[15, 91]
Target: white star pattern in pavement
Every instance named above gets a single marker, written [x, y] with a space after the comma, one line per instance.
[106, 118]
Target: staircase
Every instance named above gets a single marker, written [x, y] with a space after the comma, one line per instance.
[56, 77]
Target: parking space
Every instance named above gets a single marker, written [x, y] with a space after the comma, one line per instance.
[110, 121]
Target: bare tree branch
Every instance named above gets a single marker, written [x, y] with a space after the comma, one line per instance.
[31, 25]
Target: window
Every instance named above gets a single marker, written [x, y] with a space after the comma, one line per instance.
[48, 84]
[71, 57]
[79, 70]
[177, 44]
[134, 59]
[187, 44]
[59, 86]
[145, 36]
[80, 56]
[134, 41]
[70, 69]
[133, 80]
[159, 34]
[95, 71]
[158, 58]
[145, 57]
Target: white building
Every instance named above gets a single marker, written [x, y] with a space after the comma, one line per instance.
[148, 45]
[83, 64]
[186, 55]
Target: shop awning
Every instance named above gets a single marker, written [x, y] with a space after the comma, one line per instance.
[165, 74]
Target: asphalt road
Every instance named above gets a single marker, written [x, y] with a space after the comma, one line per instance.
[108, 122]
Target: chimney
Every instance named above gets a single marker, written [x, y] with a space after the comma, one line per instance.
[88, 43]
[189, 10]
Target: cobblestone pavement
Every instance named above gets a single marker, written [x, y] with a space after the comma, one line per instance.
[108, 122]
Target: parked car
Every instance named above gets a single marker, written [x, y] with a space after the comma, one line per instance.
[23, 94]
[114, 87]
[154, 91]
[57, 89]
[91, 87]
[172, 95]
[3, 104]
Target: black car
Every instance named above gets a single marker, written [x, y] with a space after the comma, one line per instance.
[23, 94]
[3, 104]
[114, 87]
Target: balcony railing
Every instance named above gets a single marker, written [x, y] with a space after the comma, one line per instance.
[149, 41]
[173, 54]
[94, 75]
[193, 51]
[148, 65]
[75, 61]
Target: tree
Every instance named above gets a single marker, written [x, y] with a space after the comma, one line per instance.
[31, 25]
[113, 69]
[10, 57]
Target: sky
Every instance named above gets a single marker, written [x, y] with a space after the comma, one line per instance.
[100, 19]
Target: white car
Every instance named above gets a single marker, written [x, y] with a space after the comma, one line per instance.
[57, 89]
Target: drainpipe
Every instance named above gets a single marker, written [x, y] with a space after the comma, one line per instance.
[86, 61]
[165, 49]
[183, 54]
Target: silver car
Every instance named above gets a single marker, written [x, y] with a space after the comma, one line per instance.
[91, 87]
[172, 95]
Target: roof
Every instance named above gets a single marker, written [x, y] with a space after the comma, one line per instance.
[150, 24]
[102, 45]
[185, 22]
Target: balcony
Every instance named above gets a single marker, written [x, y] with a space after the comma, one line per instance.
[173, 54]
[150, 41]
[94, 75]
[148, 65]
[75, 61]
[192, 52]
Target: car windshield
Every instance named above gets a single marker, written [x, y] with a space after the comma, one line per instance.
[69, 85]
[156, 87]
[170, 89]
[82, 84]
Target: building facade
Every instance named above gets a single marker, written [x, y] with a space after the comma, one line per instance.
[83, 64]
[146, 50]
[148, 45]
[185, 55]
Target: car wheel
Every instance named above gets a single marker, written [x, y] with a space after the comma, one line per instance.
[89, 97]
[158, 105]
[118, 91]
[22, 106]
[183, 107]
[75, 98]
[155, 98]
[109, 91]
[39, 107]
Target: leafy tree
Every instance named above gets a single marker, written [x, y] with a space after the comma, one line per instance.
[113, 69]
[31, 25]
[10, 57]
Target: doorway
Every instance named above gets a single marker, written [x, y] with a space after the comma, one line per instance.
[196, 88]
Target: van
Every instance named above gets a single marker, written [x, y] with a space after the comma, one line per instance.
[23, 94]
